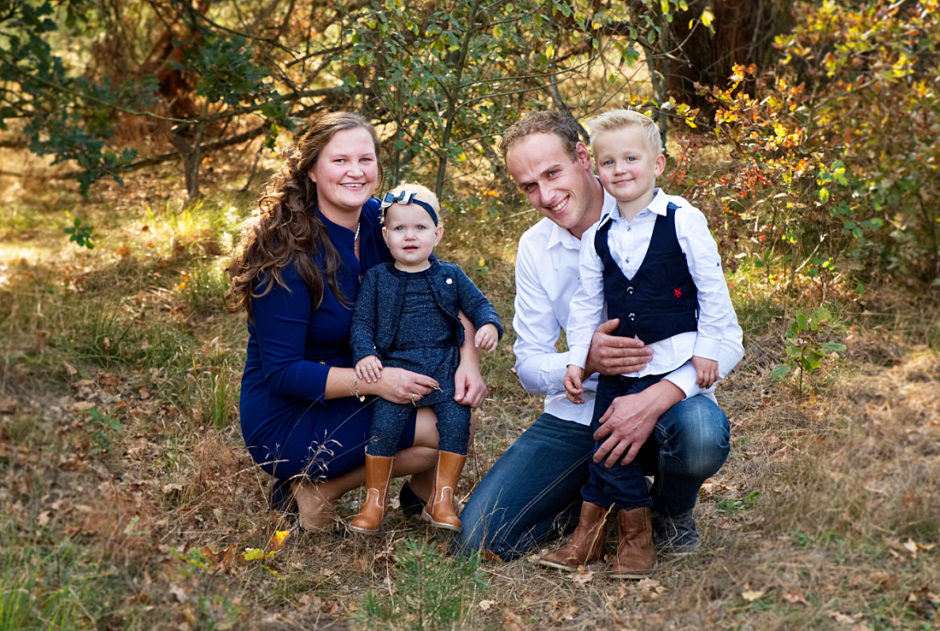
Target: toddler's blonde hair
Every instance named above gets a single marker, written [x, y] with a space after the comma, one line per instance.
[421, 192]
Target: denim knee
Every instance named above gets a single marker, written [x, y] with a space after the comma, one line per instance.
[695, 432]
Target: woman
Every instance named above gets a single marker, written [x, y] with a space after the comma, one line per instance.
[304, 415]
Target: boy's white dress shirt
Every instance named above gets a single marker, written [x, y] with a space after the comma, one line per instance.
[718, 336]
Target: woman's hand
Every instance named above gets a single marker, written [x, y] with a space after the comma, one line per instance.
[403, 386]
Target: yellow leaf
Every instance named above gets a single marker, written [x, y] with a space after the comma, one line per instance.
[256, 554]
[278, 539]
[708, 17]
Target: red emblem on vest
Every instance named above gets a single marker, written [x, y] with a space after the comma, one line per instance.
[677, 292]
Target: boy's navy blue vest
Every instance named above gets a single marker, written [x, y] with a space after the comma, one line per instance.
[660, 300]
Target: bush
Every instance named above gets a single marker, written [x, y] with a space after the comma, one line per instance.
[835, 146]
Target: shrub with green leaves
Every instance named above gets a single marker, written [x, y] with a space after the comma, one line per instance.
[429, 590]
[835, 148]
[806, 347]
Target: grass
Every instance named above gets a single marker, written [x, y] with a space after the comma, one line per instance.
[128, 499]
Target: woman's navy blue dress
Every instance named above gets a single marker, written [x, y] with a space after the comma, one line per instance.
[287, 425]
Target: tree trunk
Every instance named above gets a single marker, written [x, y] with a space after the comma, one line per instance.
[744, 31]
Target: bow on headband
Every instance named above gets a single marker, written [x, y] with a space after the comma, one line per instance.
[407, 197]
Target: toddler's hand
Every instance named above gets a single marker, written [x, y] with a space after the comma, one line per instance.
[706, 371]
[369, 369]
[573, 384]
[486, 338]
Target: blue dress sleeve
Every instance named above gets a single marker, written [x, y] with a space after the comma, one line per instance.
[362, 332]
[280, 324]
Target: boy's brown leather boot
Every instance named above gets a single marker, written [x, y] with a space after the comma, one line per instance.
[587, 541]
[636, 554]
[375, 507]
[441, 508]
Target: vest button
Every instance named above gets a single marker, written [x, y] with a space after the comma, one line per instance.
[630, 290]
[631, 317]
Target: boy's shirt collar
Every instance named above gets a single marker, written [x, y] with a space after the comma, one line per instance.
[658, 206]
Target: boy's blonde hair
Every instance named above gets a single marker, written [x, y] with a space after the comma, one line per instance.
[421, 192]
[618, 119]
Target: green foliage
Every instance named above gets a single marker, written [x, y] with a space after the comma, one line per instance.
[65, 115]
[837, 143]
[105, 426]
[429, 591]
[451, 77]
[444, 78]
[805, 348]
[81, 235]
[736, 506]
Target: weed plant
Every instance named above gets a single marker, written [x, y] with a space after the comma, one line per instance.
[428, 590]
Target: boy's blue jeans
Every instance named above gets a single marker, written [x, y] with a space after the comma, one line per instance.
[533, 492]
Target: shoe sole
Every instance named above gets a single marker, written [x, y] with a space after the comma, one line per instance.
[440, 524]
[630, 575]
[558, 565]
[365, 531]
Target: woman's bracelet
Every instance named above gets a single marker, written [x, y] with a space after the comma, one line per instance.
[356, 388]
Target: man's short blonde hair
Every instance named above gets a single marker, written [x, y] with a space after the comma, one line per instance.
[544, 122]
[621, 118]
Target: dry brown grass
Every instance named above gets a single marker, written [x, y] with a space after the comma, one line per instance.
[826, 516]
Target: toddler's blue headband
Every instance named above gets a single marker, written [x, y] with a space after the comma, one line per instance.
[407, 197]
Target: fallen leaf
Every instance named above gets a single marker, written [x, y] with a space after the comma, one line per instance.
[178, 592]
[751, 595]
[651, 589]
[795, 598]
[8, 405]
[582, 577]
[843, 618]
[278, 539]
[512, 621]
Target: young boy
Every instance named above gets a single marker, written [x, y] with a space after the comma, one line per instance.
[655, 266]
[406, 315]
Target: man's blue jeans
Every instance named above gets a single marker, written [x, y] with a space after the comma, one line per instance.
[532, 493]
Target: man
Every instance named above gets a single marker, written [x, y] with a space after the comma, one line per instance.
[675, 429]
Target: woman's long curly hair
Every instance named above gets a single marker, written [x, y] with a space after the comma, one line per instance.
[284, 230]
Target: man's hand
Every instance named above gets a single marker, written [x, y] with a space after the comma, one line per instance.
[629, 421]
[614, 354]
